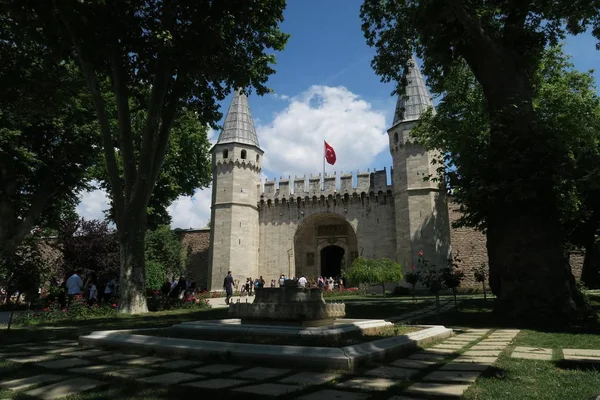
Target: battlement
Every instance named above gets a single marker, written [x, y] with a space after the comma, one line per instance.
[361, 182]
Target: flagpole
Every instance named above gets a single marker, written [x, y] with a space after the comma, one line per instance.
[324, 154]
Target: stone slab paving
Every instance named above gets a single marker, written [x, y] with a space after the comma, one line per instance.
[531, 356]
[418, 364]
[465, 366]
[471, 359]
[427, 356]
[269, 389]
[581, 352]
[449, 346]
[16, 354]
[24, 383]
[585, 359]
[86, 353]
[536, 350]
[177, 364]
[261, 373]
[170, 378]
[363, 383]
[487, 346]
[32, 359]
[217, 383]
[309, 378]
[93, 369]
[438, 389]
[217, 368]
[144, 361]
[334, 395]
[452, 376]
[482, 353]
[63, 363]
[392, 372]
[117, 357]
[433, 350]
[130, 373]
[65, 388]
[61, 350]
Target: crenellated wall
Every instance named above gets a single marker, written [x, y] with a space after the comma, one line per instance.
[302, 187]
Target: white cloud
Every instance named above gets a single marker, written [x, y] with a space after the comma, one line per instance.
[293, 145]
[191, 212]
[93, 204]
[293, 141]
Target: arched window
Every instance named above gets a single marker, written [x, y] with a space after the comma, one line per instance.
[396, 137]
[243, 154]
[225, 153]
[257, 157]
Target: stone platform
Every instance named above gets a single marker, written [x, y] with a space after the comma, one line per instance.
[232, 327]
[288, 305]
[345, 358]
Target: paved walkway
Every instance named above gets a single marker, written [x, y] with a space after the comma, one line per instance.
[445, 369]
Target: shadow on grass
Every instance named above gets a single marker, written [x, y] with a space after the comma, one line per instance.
[577, 365]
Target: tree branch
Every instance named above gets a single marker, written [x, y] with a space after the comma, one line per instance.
[107, 142]
[124, 120]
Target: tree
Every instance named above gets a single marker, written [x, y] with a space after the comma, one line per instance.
[502, 43]
[373, 272]
[185, 169]
[189, 54]
[47, 135]
[567, 104]
[88, 245]
[167, 255]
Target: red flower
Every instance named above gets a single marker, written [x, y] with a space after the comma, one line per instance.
[46, 309]
[114, 305]
[420, 253]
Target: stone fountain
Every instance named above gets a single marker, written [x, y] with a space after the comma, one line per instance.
[288, 305]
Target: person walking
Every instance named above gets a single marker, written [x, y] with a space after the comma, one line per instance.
[228, 286]
[74, 286]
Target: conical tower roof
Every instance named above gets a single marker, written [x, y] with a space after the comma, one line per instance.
[239, 125]
[416, 99]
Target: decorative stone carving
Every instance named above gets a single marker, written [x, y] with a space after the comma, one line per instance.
[288, 305]
[332, 230]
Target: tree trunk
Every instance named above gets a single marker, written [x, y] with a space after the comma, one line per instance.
[132, 282]
[530, 272]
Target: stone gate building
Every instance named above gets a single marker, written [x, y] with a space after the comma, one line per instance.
[313, 227]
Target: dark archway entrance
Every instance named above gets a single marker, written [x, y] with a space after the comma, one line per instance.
[332, 258]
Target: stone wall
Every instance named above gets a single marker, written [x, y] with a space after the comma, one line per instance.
[197, 241]
[470, 246]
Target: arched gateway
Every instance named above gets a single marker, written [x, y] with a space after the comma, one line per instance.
[323, 244]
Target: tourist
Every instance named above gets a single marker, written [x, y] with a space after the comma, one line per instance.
[248, 286]
[281, 280]
[93, 296]
[261, 282]
[74, 286]
[228, 286]
[302, 281]
[272, 283]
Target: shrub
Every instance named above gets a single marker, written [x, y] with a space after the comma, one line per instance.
[78, 309]
[155, 275]
[373, 272]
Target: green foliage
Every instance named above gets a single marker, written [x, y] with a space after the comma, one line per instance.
[25, 270]
[77, 310]
[480, 273]
[48, 134]
[89, 245]
[372, 271]
[165, 256]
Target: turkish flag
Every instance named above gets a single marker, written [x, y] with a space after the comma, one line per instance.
[329, 154]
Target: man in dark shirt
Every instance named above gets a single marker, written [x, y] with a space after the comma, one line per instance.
[228, 286]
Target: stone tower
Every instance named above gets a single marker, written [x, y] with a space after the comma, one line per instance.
[420, 205]
[236, 166]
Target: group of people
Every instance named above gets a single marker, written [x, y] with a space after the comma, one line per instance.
[179, 288]
[91, 289]
[230, 285]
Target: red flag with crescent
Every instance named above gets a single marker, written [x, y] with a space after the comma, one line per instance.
[329, 154]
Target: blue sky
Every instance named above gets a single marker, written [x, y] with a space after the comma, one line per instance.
[324, 89]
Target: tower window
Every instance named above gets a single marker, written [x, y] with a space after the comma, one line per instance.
[257, 158]
[243, 154]
[396, 137]
[225, 153]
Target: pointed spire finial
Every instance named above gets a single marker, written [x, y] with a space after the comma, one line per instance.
[416, 98]
[239, 125]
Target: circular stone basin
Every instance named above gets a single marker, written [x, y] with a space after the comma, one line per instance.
[288, 305]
